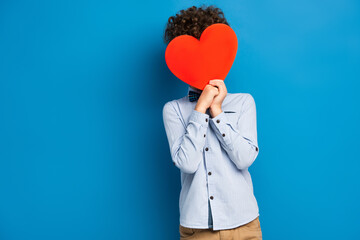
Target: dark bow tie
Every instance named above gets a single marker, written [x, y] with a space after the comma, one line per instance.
[193, 96]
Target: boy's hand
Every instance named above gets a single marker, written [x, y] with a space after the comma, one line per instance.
[215, 107]
[206, 98]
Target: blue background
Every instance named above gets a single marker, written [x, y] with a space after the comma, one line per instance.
[83, 151]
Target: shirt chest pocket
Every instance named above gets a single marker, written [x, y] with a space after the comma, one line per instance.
[232, 116]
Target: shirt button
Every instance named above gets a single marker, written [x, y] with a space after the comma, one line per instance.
[204, 134]
[206, 119]
[257, 149]
[206, 149]
[209, 173]
[223, 134]
[218, 120]
[174, 163]
[211, 197]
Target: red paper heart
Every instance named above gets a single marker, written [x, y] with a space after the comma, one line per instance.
[196, 62]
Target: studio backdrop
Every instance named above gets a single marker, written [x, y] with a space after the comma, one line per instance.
[83, 150]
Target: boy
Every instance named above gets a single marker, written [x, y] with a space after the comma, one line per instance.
[213, 141]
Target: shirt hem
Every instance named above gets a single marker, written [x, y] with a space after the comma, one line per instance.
[221, 227]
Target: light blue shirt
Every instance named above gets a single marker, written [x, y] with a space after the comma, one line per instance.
[213, 156]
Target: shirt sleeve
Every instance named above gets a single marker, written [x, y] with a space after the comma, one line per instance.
[238, 140]
[186, 141]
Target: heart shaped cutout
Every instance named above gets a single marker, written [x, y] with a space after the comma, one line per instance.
[196, 62]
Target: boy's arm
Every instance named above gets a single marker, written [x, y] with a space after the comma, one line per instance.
[240, 140]
[186, 144]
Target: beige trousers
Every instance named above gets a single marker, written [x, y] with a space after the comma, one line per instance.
[249, 231]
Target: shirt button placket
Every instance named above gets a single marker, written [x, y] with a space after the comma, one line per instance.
[209, 174]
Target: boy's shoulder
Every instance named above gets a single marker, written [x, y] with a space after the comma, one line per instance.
[170, 105]
[239, 97]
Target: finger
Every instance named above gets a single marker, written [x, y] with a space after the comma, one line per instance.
[216, 87]
[219, 84]
[215, 80]
[213, 85]
[222, 85]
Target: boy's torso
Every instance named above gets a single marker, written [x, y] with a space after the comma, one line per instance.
[232, 188]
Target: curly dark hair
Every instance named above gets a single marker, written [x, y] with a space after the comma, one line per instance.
[193, 21]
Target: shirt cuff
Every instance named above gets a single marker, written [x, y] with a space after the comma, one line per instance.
[200, 118]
